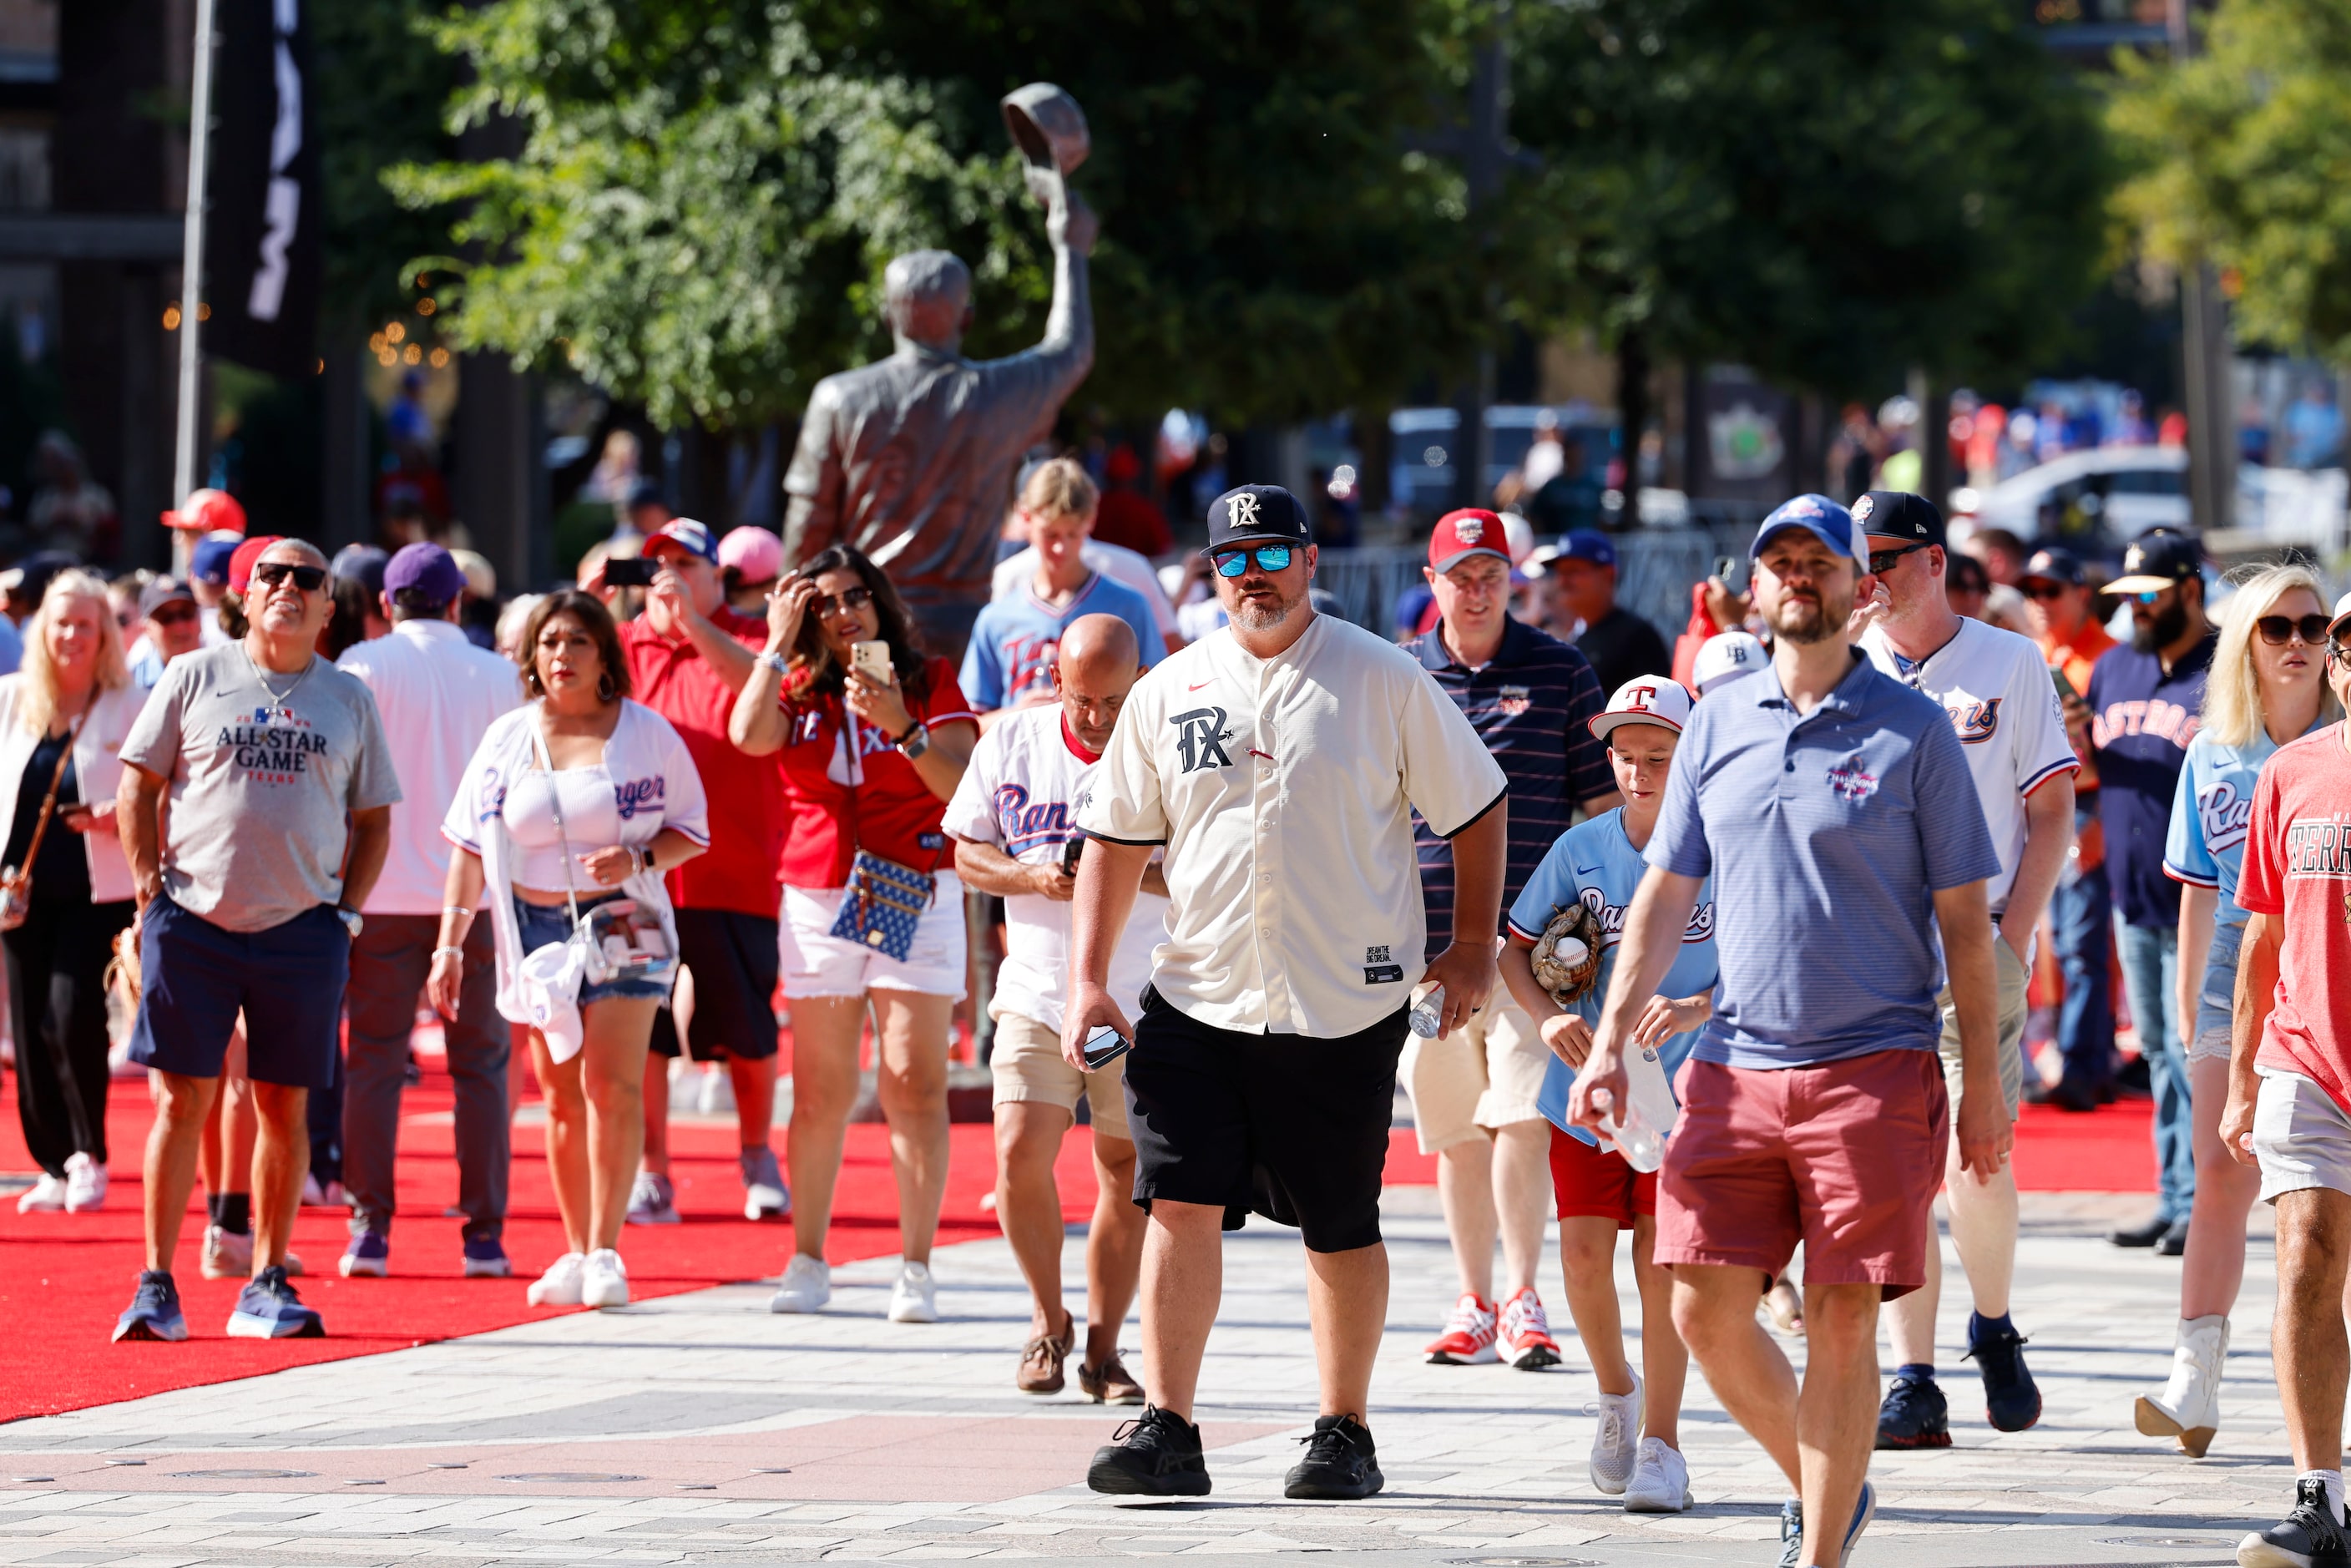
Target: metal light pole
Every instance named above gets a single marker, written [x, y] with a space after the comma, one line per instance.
[192, 274]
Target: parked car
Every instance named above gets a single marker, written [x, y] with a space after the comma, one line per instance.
[2100, 499]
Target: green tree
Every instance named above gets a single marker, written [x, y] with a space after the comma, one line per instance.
[2240, 156]
[709, 189]
[1833, 192]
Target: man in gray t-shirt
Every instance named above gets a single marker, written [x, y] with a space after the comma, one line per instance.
[269, 766]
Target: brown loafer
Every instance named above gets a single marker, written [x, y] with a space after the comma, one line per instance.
[1109, 1383]
[1041, 1359]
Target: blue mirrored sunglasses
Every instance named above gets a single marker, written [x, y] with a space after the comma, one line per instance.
[1269, 558]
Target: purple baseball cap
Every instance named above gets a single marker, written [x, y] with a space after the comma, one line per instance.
[429, 570]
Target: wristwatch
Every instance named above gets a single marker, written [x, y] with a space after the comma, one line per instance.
[353, 922]
[916, 741]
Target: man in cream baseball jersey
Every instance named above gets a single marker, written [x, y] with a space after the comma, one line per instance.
[1279, 761]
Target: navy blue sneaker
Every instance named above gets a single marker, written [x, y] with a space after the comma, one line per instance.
[270, 1310]
[1792, 1527]
[487, 1259]
[368, 1256]
[1915, 1415]
[2011, 1399]
[155, 1309]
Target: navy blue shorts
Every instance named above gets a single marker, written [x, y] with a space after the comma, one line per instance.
[288, 980]
[542, 924]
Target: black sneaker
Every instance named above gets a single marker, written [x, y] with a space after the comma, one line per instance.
[2011, 1399]
[2173, 1242]
[1339, 1462]
[1156, 1455]
[2145, 1234]
[1915, 1415]
[2309, 1536]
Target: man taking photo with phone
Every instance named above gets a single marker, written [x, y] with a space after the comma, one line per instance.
[1014, 818]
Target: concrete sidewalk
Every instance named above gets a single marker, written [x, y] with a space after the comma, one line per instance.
[699, 1429]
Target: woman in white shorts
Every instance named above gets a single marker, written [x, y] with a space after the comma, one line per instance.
[2267, 686]
[868, 766]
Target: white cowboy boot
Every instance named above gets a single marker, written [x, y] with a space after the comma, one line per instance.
[2190, 1405]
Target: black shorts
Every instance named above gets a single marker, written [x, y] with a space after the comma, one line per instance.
[1286, 1126]
[732, 956]
[288, 982]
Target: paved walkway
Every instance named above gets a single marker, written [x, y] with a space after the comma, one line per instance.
[699, 1429]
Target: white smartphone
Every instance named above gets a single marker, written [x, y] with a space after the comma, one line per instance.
[871, 659]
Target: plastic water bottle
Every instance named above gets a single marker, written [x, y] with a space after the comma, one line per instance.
[1640, 1129]
[1428, 1013]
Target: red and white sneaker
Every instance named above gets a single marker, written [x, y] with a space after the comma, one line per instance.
[1526, 1337]
[1468, 1337]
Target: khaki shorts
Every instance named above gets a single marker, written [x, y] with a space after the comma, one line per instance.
[2013, 977]
[1028, 1065]
[1483, 1075]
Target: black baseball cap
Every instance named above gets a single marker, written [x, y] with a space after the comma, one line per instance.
[164, 590]
[2156, 560]
[2055, 565]
[1256, 514]
[1899, 515]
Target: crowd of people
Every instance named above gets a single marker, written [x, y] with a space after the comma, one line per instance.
[1250, 876]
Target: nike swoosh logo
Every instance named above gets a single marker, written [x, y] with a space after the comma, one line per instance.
[1587, 871]
[1201, 685]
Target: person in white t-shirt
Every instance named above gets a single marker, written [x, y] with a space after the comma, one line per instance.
[2004, 707]
[1014, 817]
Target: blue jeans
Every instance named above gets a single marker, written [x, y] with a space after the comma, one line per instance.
[2150, 973]
[2082, 912]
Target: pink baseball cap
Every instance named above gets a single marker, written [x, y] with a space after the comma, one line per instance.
[757, 555]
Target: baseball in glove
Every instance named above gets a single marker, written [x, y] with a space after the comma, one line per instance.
[1566, 961]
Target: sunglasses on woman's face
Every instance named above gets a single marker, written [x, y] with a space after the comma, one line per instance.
[824, 604]
[2276, 629]
[1269, 558]
[309, 579]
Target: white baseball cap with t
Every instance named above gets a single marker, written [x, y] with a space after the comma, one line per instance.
[1646, 699]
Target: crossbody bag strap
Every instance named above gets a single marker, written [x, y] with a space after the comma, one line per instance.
[57, 783]
[555, 808]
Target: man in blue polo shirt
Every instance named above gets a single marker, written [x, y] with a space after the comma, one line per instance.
[1530, 697]
[2144, 702]
[1834, 809]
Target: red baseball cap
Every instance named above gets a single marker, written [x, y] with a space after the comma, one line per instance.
[206, 510]
[1471, 531]
[240, 565]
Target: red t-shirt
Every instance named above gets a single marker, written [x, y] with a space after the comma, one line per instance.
[2298, 865]
[892, 814]
[747, 799]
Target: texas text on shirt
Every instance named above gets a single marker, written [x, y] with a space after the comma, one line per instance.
[2297, 872]
[2011, 725]
[1284, 790]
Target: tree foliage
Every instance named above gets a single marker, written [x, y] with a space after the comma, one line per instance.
[2240, 157]
[381, 94]
[1830, 191]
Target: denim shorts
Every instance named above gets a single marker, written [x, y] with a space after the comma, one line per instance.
[543, 924]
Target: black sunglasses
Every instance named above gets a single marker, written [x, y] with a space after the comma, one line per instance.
[309, 579]
[1881, 562]
[824, 604]
[2045, 589]
[2276, 629]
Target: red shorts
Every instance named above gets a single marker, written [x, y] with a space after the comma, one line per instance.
[1592, 1183]
[1845, 1157]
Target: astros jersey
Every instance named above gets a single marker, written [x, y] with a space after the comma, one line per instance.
[1015, 641]
[1284, 790]
[2004, 709]
[1595, 863]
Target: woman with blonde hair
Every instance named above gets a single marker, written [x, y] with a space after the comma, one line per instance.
[2267, 686]
[66, 890]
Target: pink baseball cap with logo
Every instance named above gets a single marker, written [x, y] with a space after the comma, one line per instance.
[1645, 699]
[1471, 531]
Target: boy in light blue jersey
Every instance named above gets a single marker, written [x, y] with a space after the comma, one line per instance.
[1598, 864]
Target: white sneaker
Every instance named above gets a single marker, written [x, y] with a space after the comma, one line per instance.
[765, 1197]
[604, 1280]
[915, 1297]
[1614, 1444]
[228, 1254]
[652, 1200]
[46, 1195]
[806, 1287]
[559, 1286]
[1660, 1481]
[85, 1184]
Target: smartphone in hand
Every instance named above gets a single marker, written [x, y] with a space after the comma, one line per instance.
[871, 659]
[1104, 1047]
[631, 572]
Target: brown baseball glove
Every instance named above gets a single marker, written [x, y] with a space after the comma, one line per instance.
[1566, 961]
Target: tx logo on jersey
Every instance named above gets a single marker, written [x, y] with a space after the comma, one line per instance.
[1976, 722]
[1200, 735]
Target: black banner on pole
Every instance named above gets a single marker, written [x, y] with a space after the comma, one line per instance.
[262, 249]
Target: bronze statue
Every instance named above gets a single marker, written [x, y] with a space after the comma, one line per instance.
[912, 459]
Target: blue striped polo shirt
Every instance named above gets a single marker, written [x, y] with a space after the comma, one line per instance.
[1532, 704]
[1827, 835]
